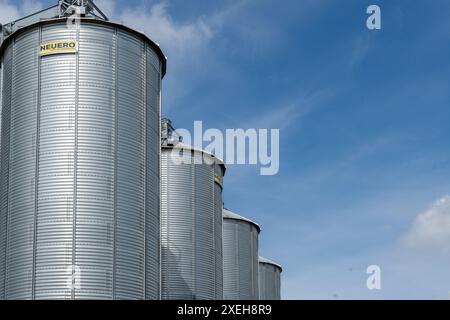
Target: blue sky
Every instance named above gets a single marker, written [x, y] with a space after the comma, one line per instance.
[364, 119]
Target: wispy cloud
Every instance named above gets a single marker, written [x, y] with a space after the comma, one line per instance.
[31, 6]
[281, 118]
[10, 11]
[361, 46]
[431, 229]
[186, 43]
[290, 111]
[179, 40]
[108, 7]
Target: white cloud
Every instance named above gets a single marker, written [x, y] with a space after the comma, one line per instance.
[431, 229]
[30, 6]
[177, 39]
[8, 12]
[108, 7]
[185, 43]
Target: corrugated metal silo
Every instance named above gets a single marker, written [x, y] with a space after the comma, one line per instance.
[269, 280]
[240, 257]
[80, 149]
[191, 222]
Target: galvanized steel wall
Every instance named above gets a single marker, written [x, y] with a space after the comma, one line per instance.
[269, 280]
[80, 145]
[191, 229]
[240, 258]
[1, 99]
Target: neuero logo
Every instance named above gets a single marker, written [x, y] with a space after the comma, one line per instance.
[58, 47]
[218, 179]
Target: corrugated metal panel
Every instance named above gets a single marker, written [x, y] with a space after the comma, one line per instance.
[269, 282]
[191, 231]
[56, 180]
[153, 150]
[240, 256]
[176, 235]
[218, 205]
[1, 98]
[95, 162]
[130, 215]
[4, 162]
[204, 232]
[96, 205]
[21, 202]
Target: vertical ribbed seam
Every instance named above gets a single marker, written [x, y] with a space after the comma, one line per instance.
[237, 295]
[163, 214]
[75, 164]
[116, 117]
[256, 253]
[223, 251]
[1, 110]
[214, 264]
[252, 250]
[194, 222]
[165, 180]
[145, 171]
[1, 97]
[11, 90]
[36, 170]
[1, 137]
[159, 90]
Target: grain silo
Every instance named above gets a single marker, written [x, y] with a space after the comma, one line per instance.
[240, 257]
[191, 221]
[80, 150]
[269, 279]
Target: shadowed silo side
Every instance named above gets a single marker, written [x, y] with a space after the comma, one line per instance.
[269, 280]
[191, 223]
[79, 162]
[240, 257]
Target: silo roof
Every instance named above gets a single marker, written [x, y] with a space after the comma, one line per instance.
[152, 44]
[183, 146]
[227, 214]
[267, 261]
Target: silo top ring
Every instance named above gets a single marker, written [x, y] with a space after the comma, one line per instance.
[182, 146]
[227, 214]
[267, 261]
[152, 44]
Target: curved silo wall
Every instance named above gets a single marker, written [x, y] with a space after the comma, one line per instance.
[79, 198]
[240, 258]
[269, 280]
[191, 227]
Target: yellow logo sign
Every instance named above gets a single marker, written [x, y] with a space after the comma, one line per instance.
[59, 47]
[218, 179]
